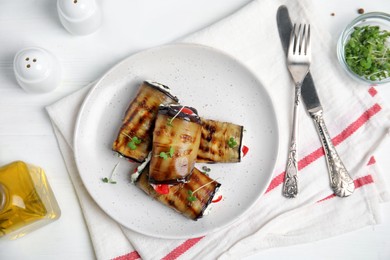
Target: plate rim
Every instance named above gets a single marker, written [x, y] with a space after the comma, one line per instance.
[156, 49]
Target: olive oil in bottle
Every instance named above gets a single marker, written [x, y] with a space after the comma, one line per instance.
[26, 200]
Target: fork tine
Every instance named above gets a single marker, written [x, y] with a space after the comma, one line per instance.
[291, 45]
[302, 49]
[299, 40]
[308, 44]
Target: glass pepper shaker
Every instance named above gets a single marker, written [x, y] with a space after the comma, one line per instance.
[26, 200]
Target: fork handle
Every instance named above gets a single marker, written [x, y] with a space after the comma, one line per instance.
[340, 181]
[290, 185]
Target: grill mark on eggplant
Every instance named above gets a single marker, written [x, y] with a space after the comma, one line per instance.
[141, 98]
[186, 138]
[132, 128]
[142, 113]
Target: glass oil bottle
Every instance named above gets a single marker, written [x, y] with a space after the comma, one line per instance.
[26, 200]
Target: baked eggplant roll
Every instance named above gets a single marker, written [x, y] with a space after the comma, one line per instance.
[220, 142]
[176, 139]
[134, 140]
[190, 199]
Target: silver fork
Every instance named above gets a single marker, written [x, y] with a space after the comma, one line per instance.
[298, 63]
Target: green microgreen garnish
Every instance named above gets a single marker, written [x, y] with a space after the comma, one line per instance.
[169, 123]
[110, 180]
[170, 120]
[232, 142]
[191, 196]
[367, 52]
[163, 155]
[191, 193]
[167, 154]
[107, 180]
[171, 151]
[134, 141]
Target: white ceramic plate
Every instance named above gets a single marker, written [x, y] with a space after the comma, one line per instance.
[220, 88]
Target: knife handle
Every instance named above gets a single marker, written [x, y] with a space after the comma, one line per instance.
[290, 185]
[340, 181]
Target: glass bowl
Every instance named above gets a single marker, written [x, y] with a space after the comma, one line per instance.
[376, 19]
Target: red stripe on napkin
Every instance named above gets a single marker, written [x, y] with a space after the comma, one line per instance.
[348, 131]
[363, 181]
[372, 91]
[130, 256]
[181, 249]
[371, 161]
[359, 182]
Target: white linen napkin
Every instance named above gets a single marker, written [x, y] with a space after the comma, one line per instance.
[356, 120]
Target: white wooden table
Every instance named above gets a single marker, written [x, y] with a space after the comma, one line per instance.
[129, 26]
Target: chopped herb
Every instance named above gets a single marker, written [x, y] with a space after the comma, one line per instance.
[110, 180]
[232, 143]
[367, 52]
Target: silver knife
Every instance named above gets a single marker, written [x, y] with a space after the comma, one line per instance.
[340, 181]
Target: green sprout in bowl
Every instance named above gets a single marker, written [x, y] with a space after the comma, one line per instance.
[367, 52]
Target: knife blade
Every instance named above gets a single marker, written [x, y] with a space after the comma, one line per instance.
[340, 181]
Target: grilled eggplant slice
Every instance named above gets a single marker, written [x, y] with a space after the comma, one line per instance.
[134, 140]
[220, 142]
[176, 139]
[201, 186]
